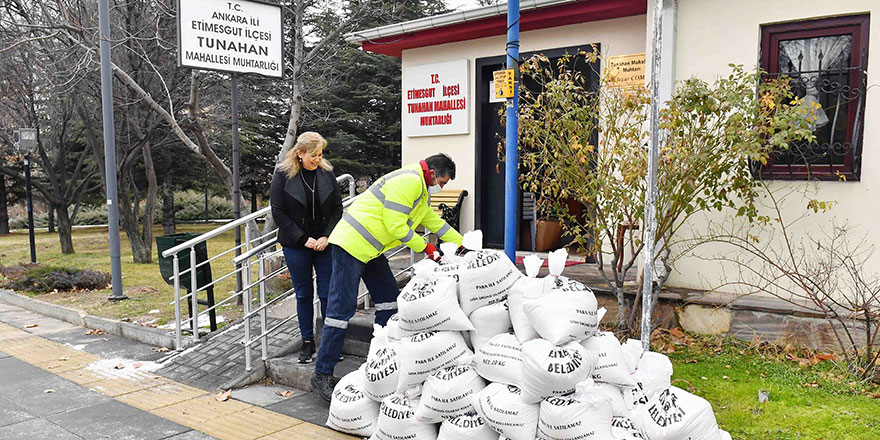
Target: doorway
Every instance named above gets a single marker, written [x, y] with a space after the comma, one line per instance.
[489, 135]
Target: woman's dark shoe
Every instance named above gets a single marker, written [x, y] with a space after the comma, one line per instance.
[308, 351]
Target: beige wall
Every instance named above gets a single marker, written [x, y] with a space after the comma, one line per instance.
[617, 37]
[713, 33]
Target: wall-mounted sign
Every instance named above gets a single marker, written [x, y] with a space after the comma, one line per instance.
[435, 99]
[232, 35]
[626, 70]
[503, 82]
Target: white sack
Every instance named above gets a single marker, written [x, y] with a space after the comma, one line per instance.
[393, 326]
[446, 393]
[489, 321]
[351, 411]
[575, 417]
[472, 240]
[611, 364]
[653, 375]
[422, 354]
[397, 421]
[380, 370]
[607, 391]
[675, 414]
[500, 359]
[424, 269]
[632, 351]
[529, 283]
[624, 429]
[485, 279]
[564, 311]
[550, 370]
[430, 305]
[504, 410]
[468, 426]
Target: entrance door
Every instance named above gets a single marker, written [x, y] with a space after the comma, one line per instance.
[490, 144]
[489, 198]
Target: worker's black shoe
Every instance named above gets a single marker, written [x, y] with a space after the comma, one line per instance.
[308, 351]
[323, 384]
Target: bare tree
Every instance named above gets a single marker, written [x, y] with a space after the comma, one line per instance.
[830, 272]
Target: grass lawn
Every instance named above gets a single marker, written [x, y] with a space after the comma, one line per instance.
[809, 399]
[142, 283]
[806, 401]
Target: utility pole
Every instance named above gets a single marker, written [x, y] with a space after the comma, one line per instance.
[110, 151]
[651, 196]
[511, 165]
[25, 139]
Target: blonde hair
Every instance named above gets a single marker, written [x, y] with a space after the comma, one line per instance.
[308, 142]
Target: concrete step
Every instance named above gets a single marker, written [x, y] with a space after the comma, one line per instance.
[288, 371]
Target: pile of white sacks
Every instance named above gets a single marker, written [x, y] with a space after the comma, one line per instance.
[477, 351]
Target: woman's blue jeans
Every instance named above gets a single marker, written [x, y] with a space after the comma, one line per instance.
[300, 263]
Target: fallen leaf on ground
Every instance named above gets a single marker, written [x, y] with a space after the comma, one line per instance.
[811, 385]
[138, 365]
[285, 393]
[826, 357]
[52, 367]
[118, 366]
[692, 361]
[48, 391]
[223, 396]
[32, 325]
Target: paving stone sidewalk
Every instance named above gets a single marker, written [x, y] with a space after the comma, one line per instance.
[36, 404]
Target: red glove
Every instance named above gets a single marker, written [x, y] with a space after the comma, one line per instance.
[432, 252]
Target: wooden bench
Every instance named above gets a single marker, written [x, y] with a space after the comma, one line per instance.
[447, 204]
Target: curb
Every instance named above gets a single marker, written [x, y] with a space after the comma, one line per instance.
[112, 326]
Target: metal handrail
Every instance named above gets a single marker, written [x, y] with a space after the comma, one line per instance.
[249, 239]
[259, 249]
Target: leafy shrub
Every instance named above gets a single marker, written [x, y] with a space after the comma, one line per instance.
[91, 215]
[42, 279]
[190, 206]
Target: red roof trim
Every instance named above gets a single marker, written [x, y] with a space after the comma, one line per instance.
[561, 15]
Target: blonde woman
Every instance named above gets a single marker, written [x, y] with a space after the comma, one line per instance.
[306, 205]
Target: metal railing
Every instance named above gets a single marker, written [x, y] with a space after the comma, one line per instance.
[256, 251]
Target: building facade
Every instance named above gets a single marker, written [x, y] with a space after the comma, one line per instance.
[831, 46]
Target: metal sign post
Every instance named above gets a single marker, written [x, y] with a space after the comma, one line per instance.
[511, 171]
[237, 36]
[236, 176]
[25, 139]
[651, 196]
[110, 151]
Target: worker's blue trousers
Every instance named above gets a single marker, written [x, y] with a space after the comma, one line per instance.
[342, 300]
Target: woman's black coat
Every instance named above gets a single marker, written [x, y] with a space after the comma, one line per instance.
[288, 200]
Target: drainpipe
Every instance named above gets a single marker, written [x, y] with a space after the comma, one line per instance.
[661, 83]
[511, 174]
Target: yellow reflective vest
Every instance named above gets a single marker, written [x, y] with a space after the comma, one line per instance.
[385, 215]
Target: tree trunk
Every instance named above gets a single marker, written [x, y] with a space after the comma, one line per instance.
[168, 226]
[51, 220]
[4, 213]
[150, 202]
[64, 230]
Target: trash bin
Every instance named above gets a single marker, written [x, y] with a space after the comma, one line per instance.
[203, 272]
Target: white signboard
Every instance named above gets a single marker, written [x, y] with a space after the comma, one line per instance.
[435, 99]
[234, 36]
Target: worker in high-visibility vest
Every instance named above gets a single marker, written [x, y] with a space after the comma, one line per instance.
[381, 218]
